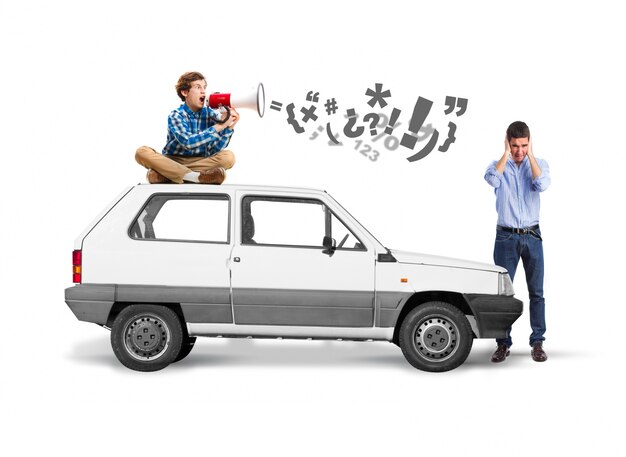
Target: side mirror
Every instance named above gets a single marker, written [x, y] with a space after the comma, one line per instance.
[330, 245]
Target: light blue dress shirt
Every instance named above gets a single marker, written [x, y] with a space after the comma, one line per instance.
[517, 193]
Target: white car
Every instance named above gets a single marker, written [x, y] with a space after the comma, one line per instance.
[164, 264]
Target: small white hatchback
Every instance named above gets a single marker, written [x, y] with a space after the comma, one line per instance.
[164, 264]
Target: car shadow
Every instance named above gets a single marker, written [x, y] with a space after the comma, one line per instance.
[242, 352]
[212, 352]
[273, 353]
[95, 351]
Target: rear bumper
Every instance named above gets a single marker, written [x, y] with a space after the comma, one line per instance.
[91, 302]
[494, 313]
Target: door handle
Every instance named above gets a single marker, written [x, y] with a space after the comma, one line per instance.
[237, 259]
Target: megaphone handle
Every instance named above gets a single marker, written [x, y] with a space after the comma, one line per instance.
[227, 115]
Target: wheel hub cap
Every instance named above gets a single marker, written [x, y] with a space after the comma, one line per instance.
[146, 337]
[436, 338]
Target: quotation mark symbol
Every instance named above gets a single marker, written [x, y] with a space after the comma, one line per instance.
[313, 97]
[452, 102]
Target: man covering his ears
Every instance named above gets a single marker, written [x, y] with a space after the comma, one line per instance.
[518, 178]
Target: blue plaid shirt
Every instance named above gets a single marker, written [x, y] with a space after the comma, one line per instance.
[517, 193]
[193, 135]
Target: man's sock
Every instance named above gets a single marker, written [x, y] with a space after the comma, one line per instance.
[192, 176]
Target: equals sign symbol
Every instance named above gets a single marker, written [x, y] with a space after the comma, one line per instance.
[276, 105]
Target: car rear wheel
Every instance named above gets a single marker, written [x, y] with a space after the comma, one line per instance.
[436, 337]
[146, 337]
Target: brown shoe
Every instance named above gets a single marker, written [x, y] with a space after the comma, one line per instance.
[214, 176]
[538, 353]
[154, 177]
[501, 353]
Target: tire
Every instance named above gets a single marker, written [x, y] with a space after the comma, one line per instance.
[436, 337]
[186, 348]
[146, 337]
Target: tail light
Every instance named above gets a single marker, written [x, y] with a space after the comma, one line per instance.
[77, 266]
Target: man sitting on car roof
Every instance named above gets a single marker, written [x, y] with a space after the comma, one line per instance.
[196, 138]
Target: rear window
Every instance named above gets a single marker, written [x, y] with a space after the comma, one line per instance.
[199, 218]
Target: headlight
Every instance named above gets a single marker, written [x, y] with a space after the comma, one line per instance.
[505, 286]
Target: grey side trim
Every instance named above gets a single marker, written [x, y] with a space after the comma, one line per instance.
[304, 316]
[391, 304]
[303, 307]
[304, 297]
[199, 304]
[172, 294]
[389, 317]
[261, 331]
[93, 302]
[206, 312]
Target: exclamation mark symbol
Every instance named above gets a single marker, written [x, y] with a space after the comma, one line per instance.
[395, 114]
[420, 111]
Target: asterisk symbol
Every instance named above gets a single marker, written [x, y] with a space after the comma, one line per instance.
[378, 96]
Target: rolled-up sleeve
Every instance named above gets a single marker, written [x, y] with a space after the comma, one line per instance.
[493, 176]
[542, 182]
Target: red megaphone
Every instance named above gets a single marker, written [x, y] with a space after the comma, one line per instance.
[253, 101]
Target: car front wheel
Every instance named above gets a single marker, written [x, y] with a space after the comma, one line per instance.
[436, 337]
[146, 337]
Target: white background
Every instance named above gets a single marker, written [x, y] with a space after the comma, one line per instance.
[85, 83]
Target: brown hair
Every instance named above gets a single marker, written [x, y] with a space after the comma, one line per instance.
[184, 82]
[518, 129]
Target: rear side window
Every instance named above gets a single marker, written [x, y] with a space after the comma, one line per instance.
[200, 218]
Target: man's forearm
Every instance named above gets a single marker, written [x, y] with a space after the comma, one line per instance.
[501, 164]
[534, 166]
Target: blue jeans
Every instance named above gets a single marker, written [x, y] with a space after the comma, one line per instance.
[509, 248]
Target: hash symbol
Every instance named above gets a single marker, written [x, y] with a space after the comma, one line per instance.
[378, 96]
[331, 106]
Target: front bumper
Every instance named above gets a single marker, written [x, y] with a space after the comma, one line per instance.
[494, 313]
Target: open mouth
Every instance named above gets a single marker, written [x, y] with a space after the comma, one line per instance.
[202, 99]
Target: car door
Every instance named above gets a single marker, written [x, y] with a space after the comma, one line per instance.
[295, 262]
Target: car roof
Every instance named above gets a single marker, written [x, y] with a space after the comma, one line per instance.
[184, 188]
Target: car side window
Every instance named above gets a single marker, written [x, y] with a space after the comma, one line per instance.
[200, 218]
[293, 222]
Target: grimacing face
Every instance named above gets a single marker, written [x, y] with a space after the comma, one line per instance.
[196, 96]
[519, 149]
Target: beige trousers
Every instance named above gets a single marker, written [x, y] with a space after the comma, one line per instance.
[175, 167]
